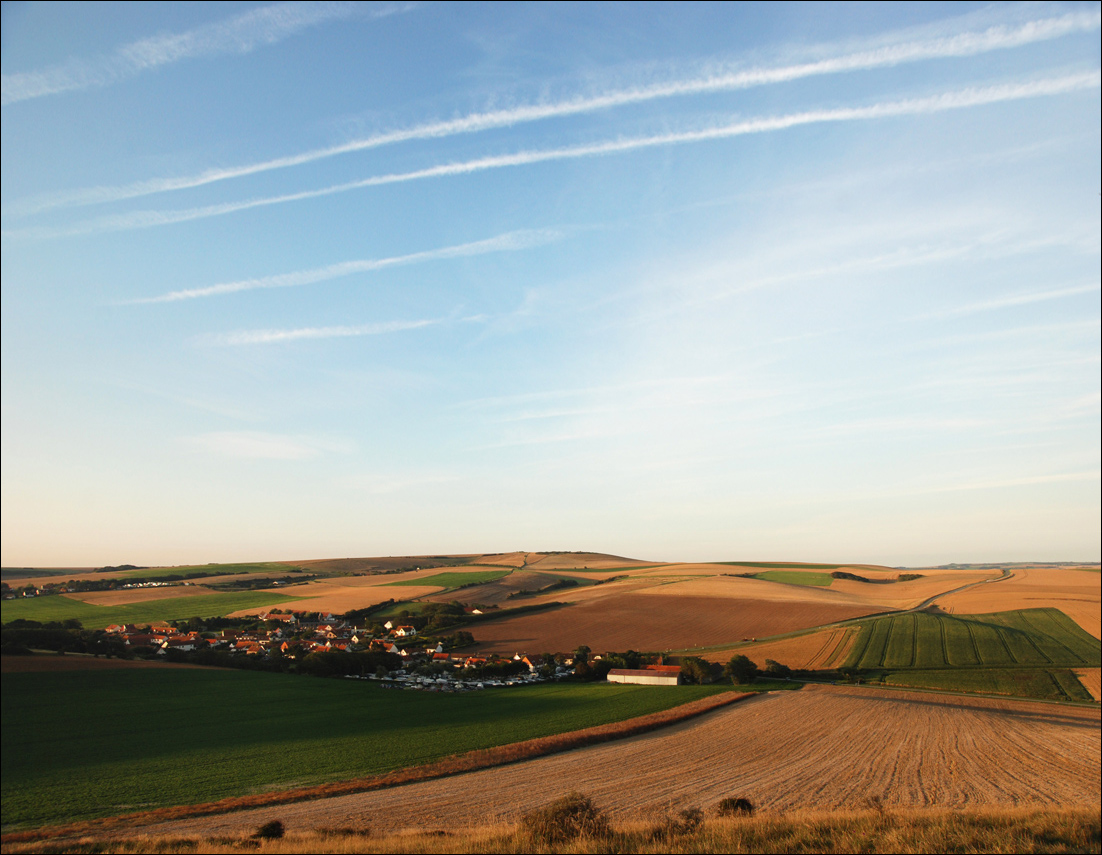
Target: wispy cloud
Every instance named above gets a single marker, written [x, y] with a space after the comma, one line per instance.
[244, 337]
[511, 241]
[717, 80]
[955, 100]
[255, 445]
[1012, 300]
[240, 34]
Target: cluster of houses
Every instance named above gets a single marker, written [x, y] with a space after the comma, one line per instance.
[294, 638]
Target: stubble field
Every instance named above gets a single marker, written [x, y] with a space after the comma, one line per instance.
[839, 748]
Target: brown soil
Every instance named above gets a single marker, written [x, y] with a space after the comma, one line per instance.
[837, 748]
[651, 621]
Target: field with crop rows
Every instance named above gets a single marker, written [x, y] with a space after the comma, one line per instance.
[142, 737]
[1028, 652]
[838, 747]
[1040, 637]
[59, 608]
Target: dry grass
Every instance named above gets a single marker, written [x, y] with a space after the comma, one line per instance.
[1075, 592]
[1004, 831]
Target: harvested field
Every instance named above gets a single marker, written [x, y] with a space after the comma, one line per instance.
[1091, 678]
[839, 748]
[578, 560]
[1075, 592]
[907, 595]
[814, 651]
[498, 592]
[650, 620]
[139, 595]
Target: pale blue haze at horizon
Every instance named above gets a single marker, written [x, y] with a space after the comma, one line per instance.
[864, 338]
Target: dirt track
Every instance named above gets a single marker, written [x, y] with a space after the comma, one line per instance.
[821, 748]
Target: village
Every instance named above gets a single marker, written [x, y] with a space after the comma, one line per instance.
[403, 659]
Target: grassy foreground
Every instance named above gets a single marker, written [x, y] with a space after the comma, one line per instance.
[143, 739]
[998, 831]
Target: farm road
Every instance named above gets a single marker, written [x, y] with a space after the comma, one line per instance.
[836, 747]
[925, 604]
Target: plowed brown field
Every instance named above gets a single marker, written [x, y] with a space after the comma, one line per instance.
[837, 748]
[1075, 592]
[649, 620]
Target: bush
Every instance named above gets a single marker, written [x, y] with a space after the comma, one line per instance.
[572, 816]
[735, 807]
[687, 822]
[740, 669]
[269, 831]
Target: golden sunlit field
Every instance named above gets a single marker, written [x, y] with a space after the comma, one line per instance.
[824, 748]
[838, 749]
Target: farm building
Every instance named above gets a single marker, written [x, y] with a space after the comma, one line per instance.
[645, 676]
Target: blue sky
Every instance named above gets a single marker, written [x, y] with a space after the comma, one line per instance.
[679, 282]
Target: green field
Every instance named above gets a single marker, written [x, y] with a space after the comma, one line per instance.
[81, 744]
[205, 569]
[1055, 684]
[1040, 637]
[456, 580]
[796, 577]
[1024, 652]
[59, 608]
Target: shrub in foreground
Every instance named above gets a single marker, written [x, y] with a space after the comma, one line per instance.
[570, 817]
[269, 831]
[735, 807]
[689, 821]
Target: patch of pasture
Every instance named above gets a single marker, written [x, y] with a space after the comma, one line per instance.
[60, 608]
[796, 577]
[92, 743]
[455, 579]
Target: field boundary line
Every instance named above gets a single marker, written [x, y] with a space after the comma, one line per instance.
[458, 764]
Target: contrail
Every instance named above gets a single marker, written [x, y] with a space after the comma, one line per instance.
[240, 34]
[245, 337]
[959, 99]
[508, 242]
[960, 45]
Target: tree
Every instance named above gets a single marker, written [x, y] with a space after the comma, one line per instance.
[740, 669]
[776, 669]
[695, 670]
